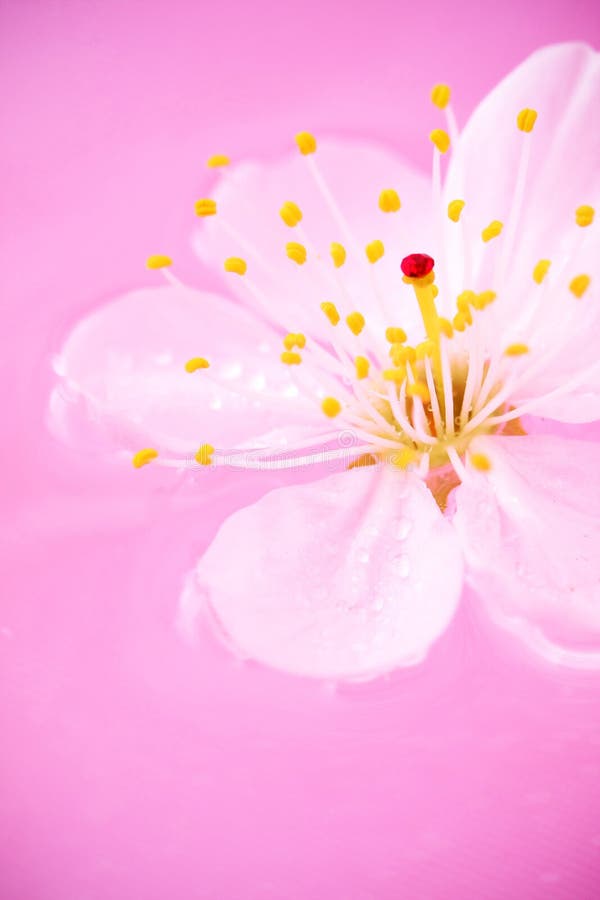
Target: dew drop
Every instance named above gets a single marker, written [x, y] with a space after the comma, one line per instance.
[402, 527]
[401, 565]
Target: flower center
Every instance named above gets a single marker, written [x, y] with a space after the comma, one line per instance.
[416, 404]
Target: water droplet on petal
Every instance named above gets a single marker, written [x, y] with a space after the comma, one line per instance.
[402, 527]
[401, 565]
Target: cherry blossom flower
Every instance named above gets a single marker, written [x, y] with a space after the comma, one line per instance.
[404, 336]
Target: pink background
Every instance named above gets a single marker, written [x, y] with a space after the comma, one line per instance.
[134, 765]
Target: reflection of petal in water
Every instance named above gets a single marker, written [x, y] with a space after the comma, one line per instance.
[195, 608]
[534, 638]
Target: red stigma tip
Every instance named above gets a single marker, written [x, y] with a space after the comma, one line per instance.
[417, 265]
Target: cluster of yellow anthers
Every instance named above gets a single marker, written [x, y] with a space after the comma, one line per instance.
[422, 404]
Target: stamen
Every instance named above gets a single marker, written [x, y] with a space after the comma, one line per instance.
[435, 404]
[218, 161]
[331, 312]
[236, 265]
[440, 95]
[579, 285]
[198, 362]
[291, 213]
[441, 140]
[204, 454]
[396, 375]
[296, 252]
[445, 328]
[404, 458]
[491, 231]
[389, 201]
[480, 461]
[159, 262]
[205, 207]
[306, 142]
[426, 348]
[374, 251]
[463, 305]
[395, 335]
[584, 216]
[456, 463]
[362, 367]
[418, 389]
[399, 354]
[294, 340]
[541, 270]
[338, 255]
[526, 120]
[516, 350]
[455, 208]
[290, 358]
[460, 322]
[143, 457]
[331, 407]
[355, 322]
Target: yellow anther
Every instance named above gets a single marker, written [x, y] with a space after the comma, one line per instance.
[143, 457]
[198, 362]
[459, 322]
[440, 95]
[374, 251]
[540, 270]
[484, 299]
[389, 201]
[362, 366]
[218, 161]
[296, 252]
[526, 119]
[395, 335]
[446, 327]
[492, 231]
[331, 312]
[434, 290]
[584, 215]
[355, 322]
[440, 139]
[516, 350]
[405, 457]
[418, 389]
[159, 262]
[291, 213]
[480, 461]
[463, 305]
[426, 348]
[455, 207]
[205, 207]
[397, 375]
[306, 143]
[294, 340]
[331, 407]
[338, 255]
[236, 265]
[400, 354]
[290, 358]
[396, 353]
[579, 285]
[466, 298]
[204, 454]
